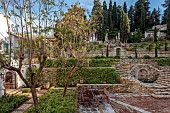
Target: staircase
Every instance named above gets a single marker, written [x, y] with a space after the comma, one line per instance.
[159, 89]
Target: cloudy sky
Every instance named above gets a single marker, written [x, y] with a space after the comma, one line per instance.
[88, 4]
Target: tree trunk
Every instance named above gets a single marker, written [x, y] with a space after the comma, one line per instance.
[68, 79]
[136, 54]
[107, 51]
[35, 99]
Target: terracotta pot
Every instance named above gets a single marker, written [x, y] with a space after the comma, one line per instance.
[46, 85]
[81, 81]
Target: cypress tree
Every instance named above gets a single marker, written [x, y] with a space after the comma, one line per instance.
[110, 24]
[115, 15]
[131, 18]
[97, 19]
[125, 7]
[124, 27]
[105, 21]
[168, 19]
[142, 20]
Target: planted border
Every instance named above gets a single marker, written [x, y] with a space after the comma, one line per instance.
[54, 102]
[7, 104]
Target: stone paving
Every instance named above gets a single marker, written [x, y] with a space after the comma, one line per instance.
[28, 103]
[106, 108]
[139, 103]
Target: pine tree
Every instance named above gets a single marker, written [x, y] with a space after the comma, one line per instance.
[125, 7]
[142, 20]
[115, 15]
[137, 15]
[168, 19]
[110, 24]
[97, 19]
[131, 18]
[155, 16]
[165, 5]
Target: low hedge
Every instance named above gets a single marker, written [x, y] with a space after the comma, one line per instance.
[102, 62]
[58, 63]
[163, 61]
[54, 102]
[94, 62]
[7, 104]
[88, 75]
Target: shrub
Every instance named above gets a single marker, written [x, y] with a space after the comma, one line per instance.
[94, 62]
[27, 90]
[130, 57]
[54, 102]
[89, 75]
[7, 104]
[58, 63]
[163, 61]
[100, 63]
[146, 57]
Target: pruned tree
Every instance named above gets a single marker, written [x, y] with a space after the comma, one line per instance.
[29, 22]
[73, 32]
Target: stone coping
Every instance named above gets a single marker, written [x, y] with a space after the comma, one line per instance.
[98, 84]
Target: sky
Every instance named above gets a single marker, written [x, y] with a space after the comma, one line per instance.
[88, 4]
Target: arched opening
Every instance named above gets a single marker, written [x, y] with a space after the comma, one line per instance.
[10, 80]
[118, 50]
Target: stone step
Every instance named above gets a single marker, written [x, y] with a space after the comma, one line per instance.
[163, 83]
[14, 92]
[160, 96]
[160, 90]
[162, 93]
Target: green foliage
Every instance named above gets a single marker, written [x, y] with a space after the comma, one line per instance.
[58, 63]
[146, 57]
[163, 61]
[7, 104]
[28, 76]
[89, 75]
[26, 90]
[98, 61]
[54, 102]
[168, 18]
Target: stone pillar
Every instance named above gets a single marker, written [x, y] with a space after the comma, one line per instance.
[1, 88]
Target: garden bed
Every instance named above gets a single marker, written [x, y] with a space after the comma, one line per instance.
[7, 104]
[53, 102]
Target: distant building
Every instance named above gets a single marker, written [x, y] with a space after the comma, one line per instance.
[161, 31]
[4, 37]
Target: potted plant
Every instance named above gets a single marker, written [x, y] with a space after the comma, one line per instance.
[46, 84]
[81, 81]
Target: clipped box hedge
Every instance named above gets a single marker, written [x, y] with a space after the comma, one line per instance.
[88, 75]
[102, 62]
[62, 63]
[70, 62]
[163, 61]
